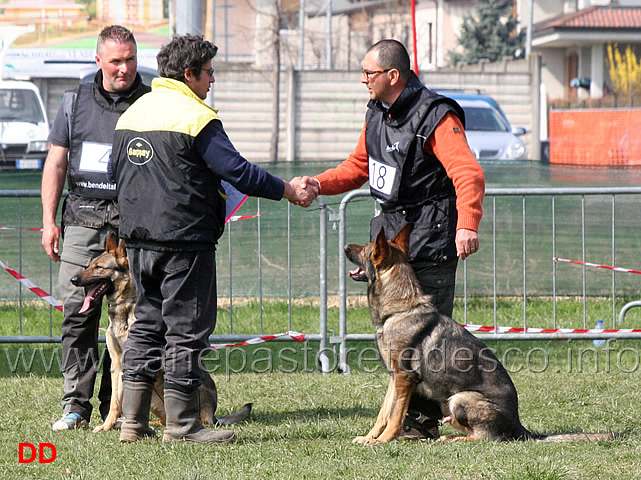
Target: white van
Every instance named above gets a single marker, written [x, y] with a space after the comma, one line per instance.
[23, 125]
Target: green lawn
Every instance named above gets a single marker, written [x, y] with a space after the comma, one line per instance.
[303, 422]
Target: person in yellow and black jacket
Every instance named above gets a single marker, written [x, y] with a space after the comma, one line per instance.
[169, 157]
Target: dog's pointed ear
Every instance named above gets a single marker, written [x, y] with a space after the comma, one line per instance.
[402, 238]
[111, 242]
[121, 254]
[381, 247]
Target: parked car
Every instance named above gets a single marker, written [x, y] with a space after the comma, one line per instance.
[23, 125]
[461, 95]
[489, 134]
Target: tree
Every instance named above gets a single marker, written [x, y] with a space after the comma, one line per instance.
[625, 73]
[490, 34]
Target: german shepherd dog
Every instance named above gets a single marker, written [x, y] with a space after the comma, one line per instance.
[432, 357]
[108, 275]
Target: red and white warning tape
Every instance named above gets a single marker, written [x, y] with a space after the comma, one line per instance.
[31, 286]
[488, 329]
[607, 267]
[38, 229]
[298, 337]
[235, 218]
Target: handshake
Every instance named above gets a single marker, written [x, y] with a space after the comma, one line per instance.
[302, 190]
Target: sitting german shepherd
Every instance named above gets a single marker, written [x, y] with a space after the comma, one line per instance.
[108, 274]
[433, 357]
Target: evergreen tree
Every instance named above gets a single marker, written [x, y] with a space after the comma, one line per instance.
[491, 34]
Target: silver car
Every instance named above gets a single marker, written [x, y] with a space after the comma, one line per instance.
[489, 135]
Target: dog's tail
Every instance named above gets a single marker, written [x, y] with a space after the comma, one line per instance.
[235, 417]
[577, 437]
[525, 434]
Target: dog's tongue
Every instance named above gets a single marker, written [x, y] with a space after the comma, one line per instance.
[90, 298]
[86, 304]
[357, 273]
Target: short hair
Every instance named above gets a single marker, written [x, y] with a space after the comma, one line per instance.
[114, 33]
[392, 54]
[184, 51]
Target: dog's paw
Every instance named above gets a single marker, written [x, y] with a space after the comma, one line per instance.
[118, 423]
[455, 438]
[108, 425]
[380, 440]
[362, 439]
[100, 428]
[368, 440]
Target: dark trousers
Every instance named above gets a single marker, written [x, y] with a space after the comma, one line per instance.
[175, 314]
[439, 281]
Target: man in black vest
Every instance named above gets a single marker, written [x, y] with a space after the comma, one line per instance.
[414, 153]
[81, 138]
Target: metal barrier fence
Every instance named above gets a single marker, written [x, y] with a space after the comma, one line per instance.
[529, 238]
[624, 200]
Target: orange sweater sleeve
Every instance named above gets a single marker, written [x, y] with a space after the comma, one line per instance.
[351, 174]
[449, 144]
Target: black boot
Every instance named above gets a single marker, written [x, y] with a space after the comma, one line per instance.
[417, 426]
[136, 400]
[183, 422]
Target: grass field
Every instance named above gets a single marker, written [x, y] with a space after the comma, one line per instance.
[303, 422]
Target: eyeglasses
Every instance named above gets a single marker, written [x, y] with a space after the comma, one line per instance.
[210, 71]
[369, 73]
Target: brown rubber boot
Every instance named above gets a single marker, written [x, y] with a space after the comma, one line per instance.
[136, 400]
[183, 422]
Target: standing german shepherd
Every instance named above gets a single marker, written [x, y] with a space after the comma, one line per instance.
[432, 356]
[108, 274]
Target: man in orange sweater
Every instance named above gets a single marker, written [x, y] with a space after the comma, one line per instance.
[414, 153]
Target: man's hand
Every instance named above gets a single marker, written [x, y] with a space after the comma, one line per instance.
[300, 194]
[51, 241]
[467, 243]
[309, 182]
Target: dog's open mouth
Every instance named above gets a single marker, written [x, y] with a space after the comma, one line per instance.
[96, 292]
[358, 274]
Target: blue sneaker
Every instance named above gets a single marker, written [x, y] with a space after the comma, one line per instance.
[70, 421]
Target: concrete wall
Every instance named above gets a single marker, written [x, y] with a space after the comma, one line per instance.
[322, 112]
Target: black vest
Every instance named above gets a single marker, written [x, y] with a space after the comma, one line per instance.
[92, 120]
[91, 133]
[411, 185]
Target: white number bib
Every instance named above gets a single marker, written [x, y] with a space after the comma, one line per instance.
[94, 157]
[381, 176]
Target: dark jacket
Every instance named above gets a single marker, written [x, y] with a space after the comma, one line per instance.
[171, 199]
[410, 184]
